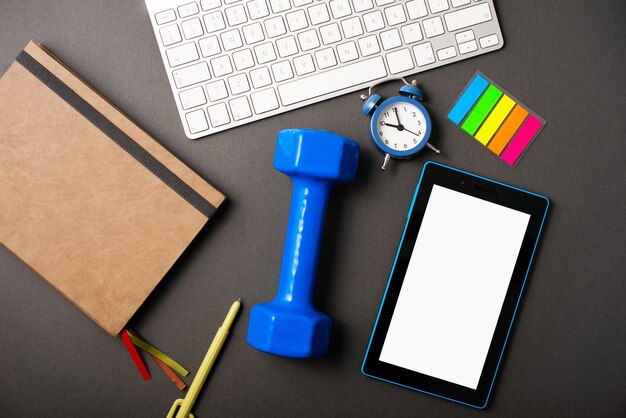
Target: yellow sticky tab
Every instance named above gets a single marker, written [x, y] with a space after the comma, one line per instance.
[158, 354]
[495, 119]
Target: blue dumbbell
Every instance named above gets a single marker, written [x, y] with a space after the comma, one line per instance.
[289, 325]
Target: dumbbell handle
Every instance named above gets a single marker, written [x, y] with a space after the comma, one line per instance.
[302, 244]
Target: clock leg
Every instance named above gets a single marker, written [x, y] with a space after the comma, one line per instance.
[387, 158]
[432, 148]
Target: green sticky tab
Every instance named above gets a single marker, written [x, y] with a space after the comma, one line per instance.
[148, 348]
[482, 109]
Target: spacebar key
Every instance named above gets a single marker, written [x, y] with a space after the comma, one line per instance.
[331, 81]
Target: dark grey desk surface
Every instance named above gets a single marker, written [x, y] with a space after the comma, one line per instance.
[566, 356]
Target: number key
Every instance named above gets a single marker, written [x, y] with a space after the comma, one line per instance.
[236, 15]
[170, 35]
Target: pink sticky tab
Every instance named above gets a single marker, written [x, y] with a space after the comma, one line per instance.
[521, 140]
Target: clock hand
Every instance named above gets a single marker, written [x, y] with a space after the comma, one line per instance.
[391, 124]
[395, 110]
[427, 144]
[410, 132]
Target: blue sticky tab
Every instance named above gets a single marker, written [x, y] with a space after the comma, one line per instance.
[467, 99]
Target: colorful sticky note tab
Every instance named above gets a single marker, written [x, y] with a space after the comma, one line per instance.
[481, 110]
[522, 138]
[508, 129]
[495, 118]
[467, 99]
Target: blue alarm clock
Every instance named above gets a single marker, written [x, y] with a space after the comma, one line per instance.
[400, 126]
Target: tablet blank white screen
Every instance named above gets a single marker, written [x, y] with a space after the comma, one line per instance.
[454, 287]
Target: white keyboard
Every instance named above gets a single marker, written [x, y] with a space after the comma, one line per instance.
[231, 62]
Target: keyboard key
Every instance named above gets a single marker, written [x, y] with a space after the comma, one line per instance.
[446, 53]
[210, 4]
[296, 20]
[332, 81]
[209, 46]
[395, 15]
[257, 9]
[318, 14]
[214, 21]
[231, 39]
[390, 39]
[264, 101]
[265, 53]
[299, 3]
[416, 9]
[170, 35]
[400, 61]
[433, 27]
[238, 84]
[487, 41]
[282, 71]
[362, 5]
[352, 27]
[330, 33]
[412, 33]
[383, 2]
[325, 58]
[217, 90]
[236, 15]
[196, 121]
[347, 52]
[287, 46]
[280, 5]
[218, 115]
[467, 47]
[373, 21]
[260, 77]
[458, 3]
[182, 54]
[424, 54]
[308, 40]
[340, 8]
[465, 36]
[165, 16]
[470, 16]
[192, 97]
[304, 64]
[243, 59]
[221, 66]
[240, 108]
[275, 27]
[253, 33]
[437, 6]
[192, 28]
[369, 45]
[187, 10]
[191, 75]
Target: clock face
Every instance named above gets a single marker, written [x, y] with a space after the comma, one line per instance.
[402, 126]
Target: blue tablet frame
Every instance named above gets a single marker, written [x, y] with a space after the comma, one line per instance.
[388, 374]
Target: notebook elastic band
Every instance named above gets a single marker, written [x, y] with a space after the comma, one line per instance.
[115, 134]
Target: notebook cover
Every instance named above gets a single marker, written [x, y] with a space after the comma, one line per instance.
[88, 200]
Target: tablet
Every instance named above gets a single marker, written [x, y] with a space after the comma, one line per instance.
[455, 285]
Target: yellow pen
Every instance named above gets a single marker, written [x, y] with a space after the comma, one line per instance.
[184, 405]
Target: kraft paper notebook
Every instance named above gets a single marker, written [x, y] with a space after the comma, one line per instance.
[89, 200]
